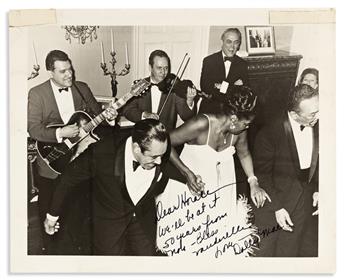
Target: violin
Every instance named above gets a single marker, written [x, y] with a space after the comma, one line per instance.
[168, 82]
[179, 87]
[173, 82]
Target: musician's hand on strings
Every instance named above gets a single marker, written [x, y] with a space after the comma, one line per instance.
[69, 131]
[191, 93]
[147, 115]
[110, 114]
[195, 183]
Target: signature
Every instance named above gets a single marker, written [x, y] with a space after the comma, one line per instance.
[267, 231]
[203, 224]
[183, 201]
[234, 230]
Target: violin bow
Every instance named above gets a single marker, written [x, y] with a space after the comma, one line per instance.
[172, 86]
[185, 66]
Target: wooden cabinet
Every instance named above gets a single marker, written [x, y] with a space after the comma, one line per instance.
[271, 78]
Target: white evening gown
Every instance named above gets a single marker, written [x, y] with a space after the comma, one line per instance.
[213, 225]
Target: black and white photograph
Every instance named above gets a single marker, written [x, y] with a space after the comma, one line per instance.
[260, 40]
[168, 144]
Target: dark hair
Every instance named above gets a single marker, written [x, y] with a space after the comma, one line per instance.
[298, 94]
[235, 30]
[55, 55]
[239, 101]
[307, 71]
[159, 53]
[147, 130]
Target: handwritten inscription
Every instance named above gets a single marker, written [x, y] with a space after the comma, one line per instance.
[206, 225]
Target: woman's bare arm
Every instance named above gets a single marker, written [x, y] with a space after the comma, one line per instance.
[258, 195]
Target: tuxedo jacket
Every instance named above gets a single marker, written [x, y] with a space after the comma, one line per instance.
[112, 208]
[43, 111]
[213, 71]
[175, 105]
[277, 167]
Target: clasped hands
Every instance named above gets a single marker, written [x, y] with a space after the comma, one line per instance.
[239, 82]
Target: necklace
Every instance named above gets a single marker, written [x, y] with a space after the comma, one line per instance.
[225, 138]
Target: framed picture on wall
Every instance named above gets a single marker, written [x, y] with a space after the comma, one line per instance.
[260, 40]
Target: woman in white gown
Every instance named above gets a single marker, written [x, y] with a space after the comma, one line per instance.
[212, 222]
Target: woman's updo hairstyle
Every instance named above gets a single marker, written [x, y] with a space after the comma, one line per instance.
[239, 101]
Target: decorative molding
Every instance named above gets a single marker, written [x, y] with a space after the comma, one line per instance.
[273, 64]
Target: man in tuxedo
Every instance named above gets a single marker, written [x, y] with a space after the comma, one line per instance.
[286, 164]
[157, 103]
[127, 175]
[222, 69]
[54, 102]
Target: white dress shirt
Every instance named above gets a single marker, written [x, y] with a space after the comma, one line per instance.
[64, 101]
[227, 65]
[65, 104]
[304, 142]
[139, 181]
[156, 95]
[155, 98]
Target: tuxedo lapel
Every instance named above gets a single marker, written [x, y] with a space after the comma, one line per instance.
[77, 99]
[119, 164]
[147, 102]
[315, 154]
[49, 94]
[221, 66]
[291, 143]
[161, 102]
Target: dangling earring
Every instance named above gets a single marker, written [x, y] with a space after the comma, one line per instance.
[233, 120]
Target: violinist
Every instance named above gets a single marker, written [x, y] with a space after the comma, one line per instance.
[161, 102]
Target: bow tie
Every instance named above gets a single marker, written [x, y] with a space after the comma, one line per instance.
[227, 58]
[301, 127]
[135, 165]
[62, 89]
